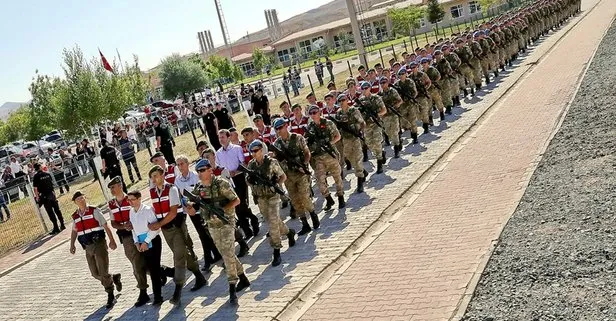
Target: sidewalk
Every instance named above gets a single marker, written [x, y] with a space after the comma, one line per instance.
[426, 264]
[57, 286]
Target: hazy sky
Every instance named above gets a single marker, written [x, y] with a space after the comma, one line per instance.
[34, 32]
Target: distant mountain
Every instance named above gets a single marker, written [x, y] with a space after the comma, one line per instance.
[8, 107]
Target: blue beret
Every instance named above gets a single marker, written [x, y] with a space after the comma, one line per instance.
[313, 107]
[413, 64]
[341, 97]
[426, 60]
[402, 71]
[279, 122]
[255, 143]
[364, 85]
[202, 163]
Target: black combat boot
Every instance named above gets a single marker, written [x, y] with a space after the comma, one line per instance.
[472, 92]
[111, 300]
[448, 110]
[117, 281]
[478, 86]
[379, 166]
[291, 237]
[341, 202]
[487, 77]
[348, 164]
[254, 223]
[305, 227]
[360, 185]
[397, 150]
[285, 204]
[292, 213]
[426, 128]
[243, 248]
[277, 260]
[384, 157]
[496, 73]
[465, 92]
[442, 114]
[200, 281]
[431, 119]
[243, 283]
[414, 137]
[143, 298]
[232, 294]
[330, 202]
[364, 150]
[386, 139]
[177, 295]
[315, 220]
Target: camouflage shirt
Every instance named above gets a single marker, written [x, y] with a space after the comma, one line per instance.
[444, 68]
[464, 53]
[476, 50]
[294, 148]
[352, 117]
[454, 60]
[269, 169]
[372, 104]
[433, 74]
[485, 46]
[390, 97]
[218, 193]
[407, 89]
[324, 132]
[420, 80]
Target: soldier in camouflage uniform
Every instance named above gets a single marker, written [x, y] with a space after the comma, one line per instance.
[466, 69]
[435, 91]
[446, 81]
[218, 193]
[351, 120]
[484, 59]
[454, 61]
[267, 199]
[391, 121]
[321, 135]
[422, 83]
[410, 107]
[492, 52]
[475, 60]
[372, 109]
[296, 150]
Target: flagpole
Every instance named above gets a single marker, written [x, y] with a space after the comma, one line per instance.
[121, 64]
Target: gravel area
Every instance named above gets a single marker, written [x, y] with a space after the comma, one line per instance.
[555, 259]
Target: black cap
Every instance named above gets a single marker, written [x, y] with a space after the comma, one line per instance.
[115, 180]
[77, 195]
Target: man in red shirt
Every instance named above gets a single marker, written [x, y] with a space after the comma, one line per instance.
[300, 122]
[312, 100]
[265, 133]
[362, 73]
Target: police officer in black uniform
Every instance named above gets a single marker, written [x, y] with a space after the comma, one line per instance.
[111, 163]
[164, 141]
[45, 196]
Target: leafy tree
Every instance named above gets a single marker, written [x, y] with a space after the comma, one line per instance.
[435, 13]
[219, 67]
[237, 73]
[259, 60]
[16, 126]
[115, 91]
[486, 5]
[42, 108]
[137, 85]
[345, 39]
[404, 20]
[180, 77]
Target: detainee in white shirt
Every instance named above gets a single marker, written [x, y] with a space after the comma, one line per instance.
[149, 243]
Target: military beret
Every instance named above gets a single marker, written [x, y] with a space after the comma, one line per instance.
[383, 80]
[341, 97]
[154, 169]
[364, 85]
[77, 195]
[296, 106]
[438, 52]
[257, 117]
[402, 71]
[331, 84]
[396, 64]
[313, 107]
[202, 163]
[115, 180]
[329, 94]
[426, 60]
[413, 64]
[278, 123]
[156, 155]
[309, 94]
[255, 143]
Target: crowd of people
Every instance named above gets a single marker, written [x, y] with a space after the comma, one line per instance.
[282, 152]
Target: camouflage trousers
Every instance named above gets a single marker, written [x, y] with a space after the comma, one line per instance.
[446, 92]
[493, 58]
[467, 77]
[391, 122]
[270, 209]
[425, 108]
[409, 113]
[485, 66]
[340, 148]
[437, 99]
[476, 63]
[374, 140]
[179, 242]
[352, 152]
[224, 239]
[298, 186]
[136, 260]
[322, 165]
[502, 56]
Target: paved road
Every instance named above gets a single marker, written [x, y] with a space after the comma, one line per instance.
[57, 286]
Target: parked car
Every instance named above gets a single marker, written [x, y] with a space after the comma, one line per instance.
[163, 104]
[30, 149]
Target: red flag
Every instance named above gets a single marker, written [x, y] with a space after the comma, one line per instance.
[105, 62]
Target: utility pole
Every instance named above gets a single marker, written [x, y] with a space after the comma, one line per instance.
[359, 42]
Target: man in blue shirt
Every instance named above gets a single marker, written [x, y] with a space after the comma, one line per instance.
[128, 155]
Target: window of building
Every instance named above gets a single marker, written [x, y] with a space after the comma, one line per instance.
[474, 6]
[344, 39]
[380, 29]
[457, 11]
[366, 32]
[286, 54]
[248, 68]
[305, 47]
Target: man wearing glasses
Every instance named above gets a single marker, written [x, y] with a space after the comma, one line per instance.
[298, 182]
[322, 132]
[267, 199]
[219, 193]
